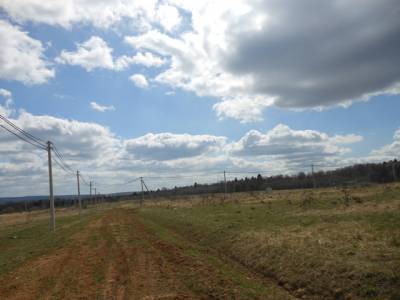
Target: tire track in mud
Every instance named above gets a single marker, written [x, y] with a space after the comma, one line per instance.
[213, 276]
[149, 275]
[118, 256]
[43, 277]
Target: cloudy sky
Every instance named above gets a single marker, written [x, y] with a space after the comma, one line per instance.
[130, 88]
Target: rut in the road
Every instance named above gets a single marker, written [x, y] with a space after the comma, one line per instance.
[118, 257]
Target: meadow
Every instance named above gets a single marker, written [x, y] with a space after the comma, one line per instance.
[331, 243]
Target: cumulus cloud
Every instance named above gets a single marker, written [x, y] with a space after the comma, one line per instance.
[168, 17]
[166, 146]
[243, 109]
[106, 158]
[7, 108]
[141, 14]
[22, 57]
[95, 53]
[295, 147]
[101, 108]
[92, 54]
[249, 54]
[147, 59]
[5, 93]
[101, 14]
[264, 53]
[389, 151]
[139, 80]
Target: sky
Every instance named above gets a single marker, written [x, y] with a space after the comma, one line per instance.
[192, 88]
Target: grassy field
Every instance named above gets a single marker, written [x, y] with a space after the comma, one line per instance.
[304, 244]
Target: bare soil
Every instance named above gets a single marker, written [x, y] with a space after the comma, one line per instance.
[118, 256]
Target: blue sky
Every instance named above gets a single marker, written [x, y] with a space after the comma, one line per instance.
[250, 86]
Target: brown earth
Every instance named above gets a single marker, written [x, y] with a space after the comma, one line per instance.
[120, 256]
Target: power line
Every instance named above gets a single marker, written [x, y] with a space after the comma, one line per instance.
[83, 179]
[182, 176]
[123, 183]
[60, 164]
[22, 138]
[27, 135]
[62, 160]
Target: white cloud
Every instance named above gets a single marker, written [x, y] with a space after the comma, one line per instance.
[168, 17]
[21, 57]
[249, 54]
[106, 158]
[69, 12]
[92, 54]
[292, 147]
[243, 109]
[347, 139]
[147, 59]
[7, 108]
[5, 93]
[95, 53]
[167, 146]
[101, 108]
[389, 151]
[139, 80]
[263, 53]
[139, 14]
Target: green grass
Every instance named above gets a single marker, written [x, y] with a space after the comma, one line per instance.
[315, 243]
[23, 242]
[249, 288]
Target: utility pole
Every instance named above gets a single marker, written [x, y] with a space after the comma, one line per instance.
[90, 198]
[394, 170]
[141, 183]
[313, 177]
[149, 192]
[95, 196]
[79, 191]
[52, 210]
[225, 186]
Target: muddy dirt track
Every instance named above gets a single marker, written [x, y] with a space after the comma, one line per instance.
[118, 256]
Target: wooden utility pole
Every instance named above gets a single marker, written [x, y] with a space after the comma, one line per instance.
[225, 186]
[52, 209]
[313, 177]
[95, 196]
[79, 191]
[90, 193]
[141, 183]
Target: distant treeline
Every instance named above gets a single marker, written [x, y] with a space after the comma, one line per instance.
[353, 175]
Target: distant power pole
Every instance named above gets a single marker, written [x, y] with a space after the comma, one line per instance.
[225, 186]
[141, 183]
[313, 177]
[52, 210]
[90, 193]
[394, 171]
[79, 190]
[95, 196]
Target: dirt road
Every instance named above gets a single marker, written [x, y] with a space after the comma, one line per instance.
[121, 256]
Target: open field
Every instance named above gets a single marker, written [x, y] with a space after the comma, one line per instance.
[303, 244]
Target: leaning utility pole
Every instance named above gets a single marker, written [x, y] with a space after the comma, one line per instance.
[313, 177]
[79, 190]
[52, 210]
[141, 183]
